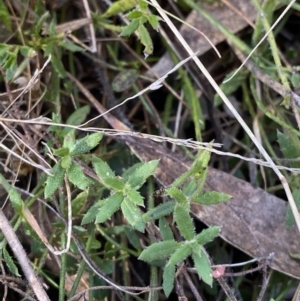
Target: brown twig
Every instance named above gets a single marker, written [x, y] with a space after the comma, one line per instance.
[22, 258]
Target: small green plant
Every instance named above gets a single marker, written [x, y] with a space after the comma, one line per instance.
[125, 196]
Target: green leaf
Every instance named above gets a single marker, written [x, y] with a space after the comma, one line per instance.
[190, 188]
[165, 229]
[118, 7]
[135, 197]
[55, 180]
[202, 266]
[66, 162]
[138, 178]
[133, 215]
[207, 235]
[154, 21]
[180, 254]
[116, 184]
[61, 152]
[4, 49]
[78, 202]
[168, 279]
[77, 176]
[145, 40]
[109, 207]
[10, 67]
[27, 51]
[124, 80]
[132, 237]
[159, 250]
[79, 116]
[129, 171]
[41, 20]
[90, 216]
[184, 221]
[289, 146]
[295, 80]
[134, 14]
[159, 211]
[70, 46]
[5, 15]
[69, 139]
[16, 200]
[58, 66]
[143, 5]
[210, 198]
[85, 144]
[10, 263]
[130, 28]
[231, 86]
[102, 169]
[177, 195]
[289, 217]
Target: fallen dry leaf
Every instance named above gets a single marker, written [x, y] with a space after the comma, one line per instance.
[226, 15]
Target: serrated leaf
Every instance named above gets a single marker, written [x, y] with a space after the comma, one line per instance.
[16, 200]
[190, 188]
[78, 202]
[139, 176]
[102, 169]
[159, 250]
[184, 221]
[85, 144]
[118, 7]
[91, 214]
[180, 254]
[168, 279]
[289, 146]
[116, 184]
[165, 229]
[133, 215]
[55, 180]
[124, 80]
[135, 197]
[154, 21]
[77, 176]
[129, 171]
[203, 267]
[177, 195]
[130, 28]
[207, 235]
[210, 198]
[145, 40]
[109, 207]
[159, 211]
[10, 263]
